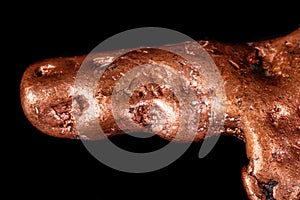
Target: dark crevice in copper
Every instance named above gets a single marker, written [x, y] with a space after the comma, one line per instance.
[268, 189]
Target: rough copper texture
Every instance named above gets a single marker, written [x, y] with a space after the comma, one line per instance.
[262, 83]
[150, 99]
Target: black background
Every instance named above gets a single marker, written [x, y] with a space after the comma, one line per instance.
[57, 167]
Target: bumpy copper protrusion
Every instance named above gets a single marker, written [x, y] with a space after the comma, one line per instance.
[262, 83]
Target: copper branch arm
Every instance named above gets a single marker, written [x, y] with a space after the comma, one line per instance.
[262, 84]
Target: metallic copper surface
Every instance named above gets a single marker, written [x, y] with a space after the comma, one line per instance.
[262, 82]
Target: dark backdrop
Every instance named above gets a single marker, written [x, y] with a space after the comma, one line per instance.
[56, 167]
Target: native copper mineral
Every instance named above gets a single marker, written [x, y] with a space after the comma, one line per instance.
[262, 84]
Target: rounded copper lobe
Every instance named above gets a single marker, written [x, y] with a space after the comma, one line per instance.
[46, 95]
[261, 80]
